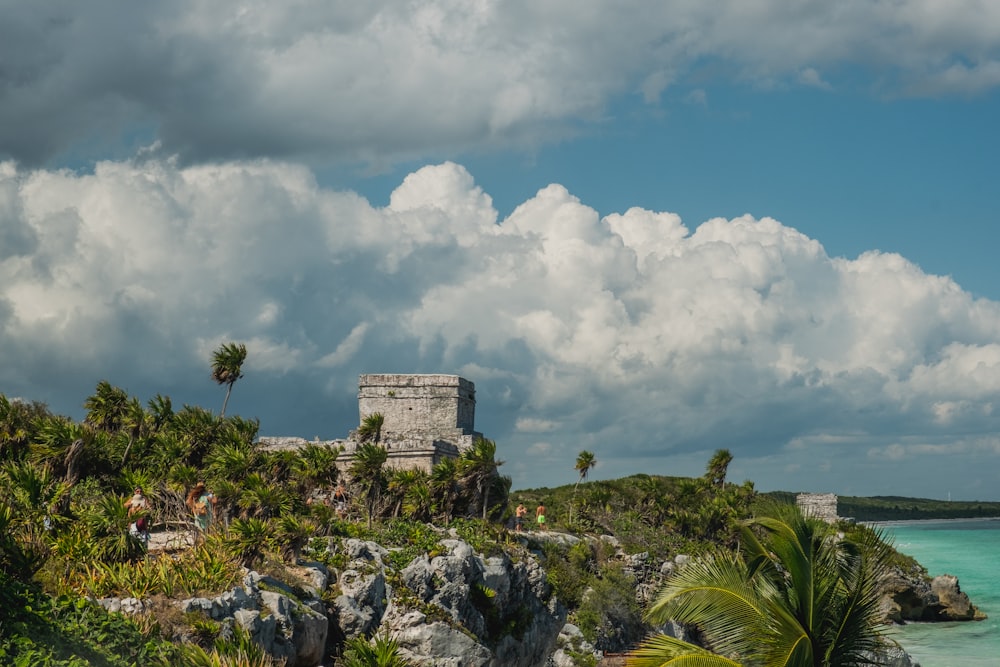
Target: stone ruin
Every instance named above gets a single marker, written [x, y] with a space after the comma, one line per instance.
[425, 419]
[820, 505]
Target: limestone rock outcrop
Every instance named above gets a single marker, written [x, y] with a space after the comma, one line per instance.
[472, 610]
[283, 623]
[910, 596]
[954, 605]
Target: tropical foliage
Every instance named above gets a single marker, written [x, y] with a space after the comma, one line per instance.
[381, 651]
[652, 513]
[477, 469]
[64, 529]
[585, 461]
[797, 594]
[227, 367]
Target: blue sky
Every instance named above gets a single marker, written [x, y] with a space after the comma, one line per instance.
[650, 231]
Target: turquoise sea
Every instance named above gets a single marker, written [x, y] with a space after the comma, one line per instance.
[970, 550]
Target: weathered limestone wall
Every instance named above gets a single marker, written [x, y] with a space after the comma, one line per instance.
[440, 403]
[426, 418]
[820, 505]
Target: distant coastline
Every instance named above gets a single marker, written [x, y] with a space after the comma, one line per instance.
[910, 522]
[898, 508]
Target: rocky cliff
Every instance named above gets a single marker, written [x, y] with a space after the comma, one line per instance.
[912, 596]
[450, 608]
[454, 607]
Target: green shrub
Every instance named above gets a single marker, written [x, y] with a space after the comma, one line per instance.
[37, 630]
[568, 571]
[609, 615]
[380, 652]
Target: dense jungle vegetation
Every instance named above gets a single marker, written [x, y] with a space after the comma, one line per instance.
[64, 527]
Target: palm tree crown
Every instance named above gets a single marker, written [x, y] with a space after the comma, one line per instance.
[227, 367]
[478, 469]
[718, 465]
[368, 474]
[371, 428]
[584, 462]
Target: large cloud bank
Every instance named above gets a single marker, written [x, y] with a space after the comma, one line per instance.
[633, 336]
[378, 81]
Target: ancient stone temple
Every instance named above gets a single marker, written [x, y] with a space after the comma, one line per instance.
[820, 505]
[425, 418]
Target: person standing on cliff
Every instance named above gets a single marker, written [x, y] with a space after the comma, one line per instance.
[519, 515]
[540, 516]
[201, 502]
[340, 500]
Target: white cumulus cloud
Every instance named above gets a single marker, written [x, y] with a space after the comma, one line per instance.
[631, 335]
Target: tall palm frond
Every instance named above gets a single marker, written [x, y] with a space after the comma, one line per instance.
[417, 501]
[478, 467]
[316, 465]
[18, 423]
[106, 407]
[232, 460]
[444, 484]
[797, 594]
[161, 410]
[399, 482]
[371, 428]
[368, 475]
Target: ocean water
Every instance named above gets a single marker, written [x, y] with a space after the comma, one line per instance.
[969, 550]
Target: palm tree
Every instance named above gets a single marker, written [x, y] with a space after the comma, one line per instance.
[400, 484]
[197, 429]
[585, 461]
[106, 407]
[316, 465]
[136, 421]
[162, 411]
[262, 498]
[31, 493]
[478, 466]
[798, 594]
[61, 442]
[417, 501]
[227, 367]
[715, 473]
[232, 460]
[371, 428]
[249, 538]
[18, 423]
[444, 487]
[367, 473]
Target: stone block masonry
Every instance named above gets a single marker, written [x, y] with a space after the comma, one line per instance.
[820, 505]
[426, 418]
[428, 403]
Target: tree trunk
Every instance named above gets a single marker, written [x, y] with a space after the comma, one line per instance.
[225, 402]
[131, 439]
